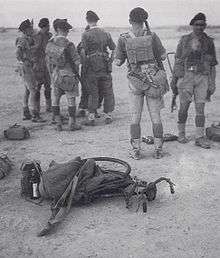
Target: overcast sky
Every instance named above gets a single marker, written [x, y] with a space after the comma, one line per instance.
[111, 12]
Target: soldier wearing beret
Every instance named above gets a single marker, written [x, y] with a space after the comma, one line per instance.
[41, 39]
[63, 62]
[84, 98]
[97, 63]
[194, 70]
[24, 54]
[144, 52]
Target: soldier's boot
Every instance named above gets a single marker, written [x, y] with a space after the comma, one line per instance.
[81, 112]
[108, 118]
[135, 152]
[182, 133]
[135, 132]
[201, 140]
[97, 115]
[36, 118]
[57, 118]
[26, 113]
[47, 94]
[73, 126]
[158, 140]
[90, 120]
[158, 144]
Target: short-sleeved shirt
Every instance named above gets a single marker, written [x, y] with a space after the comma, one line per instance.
[158, 48]
[185, 55]
[96, 39]
[71, 53]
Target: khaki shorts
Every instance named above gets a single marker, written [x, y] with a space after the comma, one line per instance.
[28, 77]
[159, 102]
[193, 87]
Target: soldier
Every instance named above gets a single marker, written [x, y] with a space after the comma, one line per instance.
[194, 69]
[144, 53]
[24, 55]
[83, 104]
[63, 62]
[97, 63]
[41, 39]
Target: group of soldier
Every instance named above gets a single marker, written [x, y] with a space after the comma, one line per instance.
[55, 61]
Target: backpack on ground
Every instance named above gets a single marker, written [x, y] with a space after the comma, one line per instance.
[213, 132]
[16, 132]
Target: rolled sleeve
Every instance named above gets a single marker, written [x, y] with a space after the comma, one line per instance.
[158, 47]
[212, 52]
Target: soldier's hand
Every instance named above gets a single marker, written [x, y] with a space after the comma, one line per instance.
[117, 62]
[211, 90]
[163, 57]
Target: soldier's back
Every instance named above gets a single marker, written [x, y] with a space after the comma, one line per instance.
[96, 39]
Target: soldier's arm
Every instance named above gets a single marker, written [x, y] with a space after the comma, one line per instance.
[159, 50]
[120, 55]
[73, 56]
[20, 44]
[111, 46]
[178, 69]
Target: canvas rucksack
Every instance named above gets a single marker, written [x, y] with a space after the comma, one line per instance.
[56, 53]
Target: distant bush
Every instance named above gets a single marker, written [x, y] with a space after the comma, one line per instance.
[3, 29]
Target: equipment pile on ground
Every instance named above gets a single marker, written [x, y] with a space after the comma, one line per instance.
[81, 181]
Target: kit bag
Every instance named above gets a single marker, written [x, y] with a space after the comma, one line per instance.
[16, 132]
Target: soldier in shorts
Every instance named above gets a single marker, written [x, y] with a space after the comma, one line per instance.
[195, 72]
[63, 62]
[97, 64]
[24, 54]
[143, 51]
[41, 39]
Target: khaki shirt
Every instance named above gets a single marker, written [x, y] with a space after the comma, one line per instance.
[24, 46]
[203, 55]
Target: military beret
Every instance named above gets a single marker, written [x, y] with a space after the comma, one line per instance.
[138, 15]
[25, 25]
[92, 16]
[43, 22]
[61, 24]
[198, 17]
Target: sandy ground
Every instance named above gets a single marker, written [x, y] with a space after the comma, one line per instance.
[186, 224]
